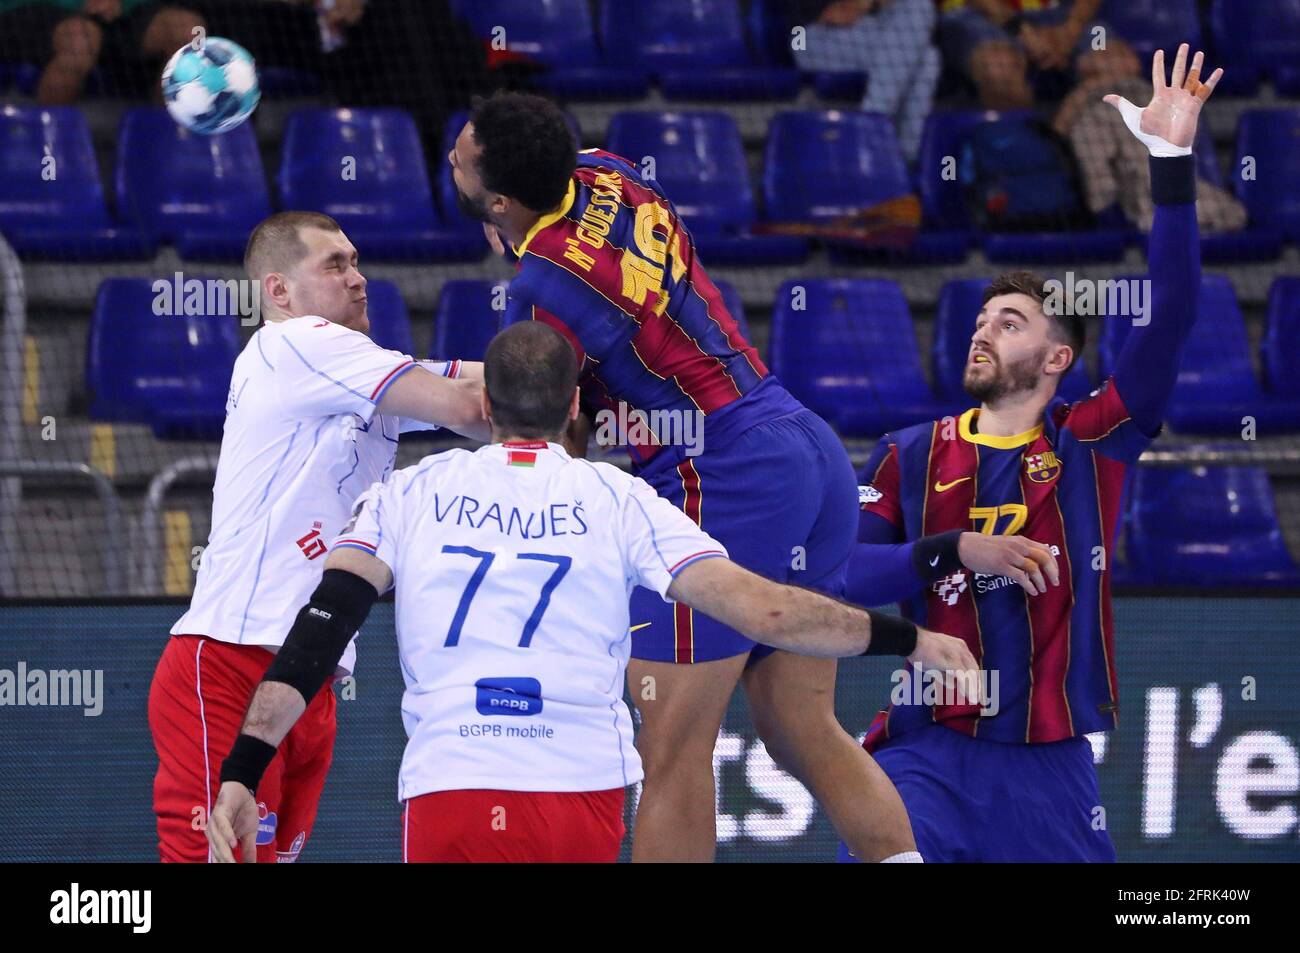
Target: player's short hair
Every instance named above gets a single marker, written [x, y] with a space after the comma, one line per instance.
[528, 149]
[1069, 329]
[276, 243]
[530, 372]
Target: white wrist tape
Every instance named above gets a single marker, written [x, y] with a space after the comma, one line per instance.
[1155, 145]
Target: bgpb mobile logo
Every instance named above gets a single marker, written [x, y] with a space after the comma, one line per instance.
[508, 696]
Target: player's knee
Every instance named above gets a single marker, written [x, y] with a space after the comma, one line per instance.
[76, 42]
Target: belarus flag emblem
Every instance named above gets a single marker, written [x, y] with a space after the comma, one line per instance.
[523, 454]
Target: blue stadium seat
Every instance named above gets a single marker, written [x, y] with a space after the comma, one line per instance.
[51, 200]
[465, 319]
[850, 354]
[170, 371]
[819, 166]
[1216, 384]
[558, 34]
[1206, 527]
[1269, 140]
[731, 298]
[1150, 25]
[695, 49]
[699, 160]
[1254, 38]
[390, 324]
[943, 200]
[822, 165]
[202, 193]
[366, 168]
[1280, 348]
[284, 82]
[960, 301]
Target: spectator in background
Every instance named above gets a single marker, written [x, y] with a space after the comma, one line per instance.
[994, 42]
[414, 54]
[887, 39]
[69, 37]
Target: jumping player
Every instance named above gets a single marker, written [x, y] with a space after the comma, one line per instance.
[985, 505]
[312, 420]
[605, 260]
[513, 566]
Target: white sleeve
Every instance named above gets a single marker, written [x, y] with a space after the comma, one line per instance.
[441, 369]
[660, 539]
[375, 525]
[325, 368]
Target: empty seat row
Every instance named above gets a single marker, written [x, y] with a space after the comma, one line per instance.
[366, 167]
[847, 348]
[691, 48]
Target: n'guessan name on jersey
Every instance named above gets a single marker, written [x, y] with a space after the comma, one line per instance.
[557, 519]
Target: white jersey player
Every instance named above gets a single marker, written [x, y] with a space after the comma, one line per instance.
[513, 566]
[312, 420]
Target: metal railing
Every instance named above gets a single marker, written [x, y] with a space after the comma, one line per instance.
[13, 336]
[113, 539]
[149, 577]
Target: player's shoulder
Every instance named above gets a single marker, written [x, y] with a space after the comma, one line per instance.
[610, 480]
[907, 439]
[429, 471]
[310, 333]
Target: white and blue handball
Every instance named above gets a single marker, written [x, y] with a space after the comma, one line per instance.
[211, 89]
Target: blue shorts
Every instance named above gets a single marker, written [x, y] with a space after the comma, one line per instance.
[781, 497]
[972, 800]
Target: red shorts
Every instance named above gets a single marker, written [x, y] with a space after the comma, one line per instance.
[513, 827]
[200, 693]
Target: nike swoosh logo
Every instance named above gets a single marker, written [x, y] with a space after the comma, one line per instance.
[641, 626]
[934, 561]
[940, 487]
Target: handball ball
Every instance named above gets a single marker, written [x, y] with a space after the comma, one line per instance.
[211, 89]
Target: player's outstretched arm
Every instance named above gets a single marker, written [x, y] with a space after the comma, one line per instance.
[452, 403]
[349, 586]
[808, 623]
[1147, 367]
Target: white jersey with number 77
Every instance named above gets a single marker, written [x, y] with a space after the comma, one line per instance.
[513, 566]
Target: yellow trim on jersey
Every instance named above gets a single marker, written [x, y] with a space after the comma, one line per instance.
[550, 218]
[988, 440]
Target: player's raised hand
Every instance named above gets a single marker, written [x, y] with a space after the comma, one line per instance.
[1026, 562]
[1167, 125]
[233, 823]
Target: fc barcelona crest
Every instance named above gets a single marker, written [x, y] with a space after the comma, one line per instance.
[1042, 467]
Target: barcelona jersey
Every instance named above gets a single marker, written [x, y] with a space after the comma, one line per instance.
[614, 270]
[1059, 484]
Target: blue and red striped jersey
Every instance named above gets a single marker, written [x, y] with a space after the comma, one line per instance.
[614, 270]
[1059, 484]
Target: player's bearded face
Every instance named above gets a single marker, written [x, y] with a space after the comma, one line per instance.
[470, 207]
[990, 379]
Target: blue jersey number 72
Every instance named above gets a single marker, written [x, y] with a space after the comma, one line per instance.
[561, 563]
